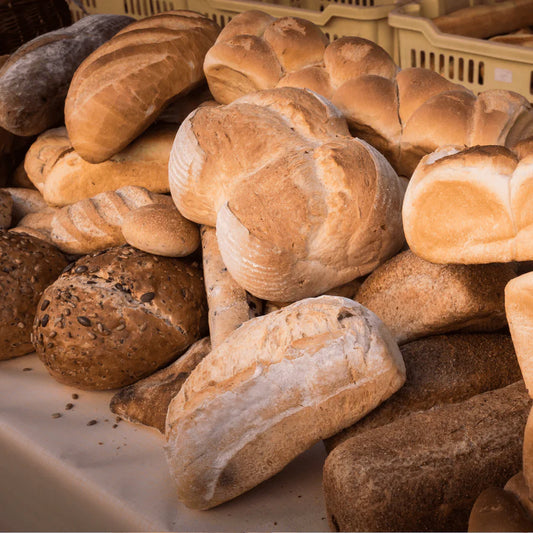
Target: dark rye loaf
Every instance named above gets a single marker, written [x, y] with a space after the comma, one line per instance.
[424, 472]
[35, 79]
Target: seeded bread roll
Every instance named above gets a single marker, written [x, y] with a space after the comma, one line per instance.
[29, 266]
[416, 298]
[64, 178]
[160, 229]
[146, 401]
[424, 472]
[35, 79]
[120, 89]
[405, 114]
[441, 370]
[118, 316]
[273, 388]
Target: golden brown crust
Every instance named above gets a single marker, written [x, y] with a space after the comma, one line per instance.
[130, 79]
[107, 324]
[29, 266]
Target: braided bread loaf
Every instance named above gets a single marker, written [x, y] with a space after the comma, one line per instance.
[403, 114]
[95, 223]
[299, 206]
[120, 89]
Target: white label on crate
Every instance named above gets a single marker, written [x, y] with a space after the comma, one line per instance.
[503, 74]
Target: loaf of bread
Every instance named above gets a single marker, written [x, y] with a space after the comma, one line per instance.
[440, 370]
[29, 266]
[229, 304]
[160, 229]
[106, 323]
[25, 201]
[483, 21]
[519, 310]
[424, 472]
[273, 388]
[120, 89]
[95, 223]
[146, 401]
[63, 177]
[405, 115]
[6, 209]
[470, 206]
[518, 487]
[38, 224]
[299, 206]
[35, 79]
[416, 298]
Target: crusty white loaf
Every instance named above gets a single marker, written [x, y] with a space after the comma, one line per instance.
[404, 114]
[35, 79]
[274, 387]
[120, 89]
[470, 206]
[63, 177]
[299, 205]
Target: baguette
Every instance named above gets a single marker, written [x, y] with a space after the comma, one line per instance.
[35, 79]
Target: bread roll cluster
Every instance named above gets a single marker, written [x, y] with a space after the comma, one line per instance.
[292, 282]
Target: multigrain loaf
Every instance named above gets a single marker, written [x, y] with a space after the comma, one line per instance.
[115, 317]
[470, 206]
[416, 298]
[28, 267]
[160, 229]
[121, 88]
[95, 223]
[404, 114]
[229, 304]
[424, 472]
[63, 177]
[440, 370]
[299, 206]
[146, 401]
[274, 387]
[35, 79]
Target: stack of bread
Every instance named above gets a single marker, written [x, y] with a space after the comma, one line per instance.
[292, 281]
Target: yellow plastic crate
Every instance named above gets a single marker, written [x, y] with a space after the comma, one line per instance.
[475, 63]
[336, 18]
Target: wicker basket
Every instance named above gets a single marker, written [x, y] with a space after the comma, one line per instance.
[23, 20]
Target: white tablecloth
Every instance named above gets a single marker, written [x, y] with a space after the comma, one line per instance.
[60, 474]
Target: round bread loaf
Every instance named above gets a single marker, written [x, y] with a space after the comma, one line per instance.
[28, 266]
[116, 317]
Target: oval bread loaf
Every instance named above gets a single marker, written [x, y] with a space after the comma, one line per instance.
[121, 88]
[35, 79]
[273, 388]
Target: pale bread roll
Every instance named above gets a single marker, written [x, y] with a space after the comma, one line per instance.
[273, 388]
[470, 206]
[280, 206]
[160, 229]
[416, 298]
[518, 487]
[120, 89]
[228, 303]
[64, 178]
[25, 202]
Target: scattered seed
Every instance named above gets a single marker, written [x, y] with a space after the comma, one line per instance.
[27, 369]
[67, 312]
[115, 426]
[118, 419]
[69, 406]
[147, 297]
[92, 335]
[33, 279]
[45, 304]
[100, 443]
[75, 396]
[68, 268]
[81, 269]
[56, 415]
[53, 334]
[143, 326]
[44, 320]
[120, 327]
[20, 325]
[92, 422]
[50, 345]
[84, 321]
[100, 327]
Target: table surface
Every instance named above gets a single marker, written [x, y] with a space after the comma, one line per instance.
[62, 474]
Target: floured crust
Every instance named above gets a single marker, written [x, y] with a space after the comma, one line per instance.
[470, 206]
[129, 80]
[106, 324]
[314, 365]
[280, 206]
